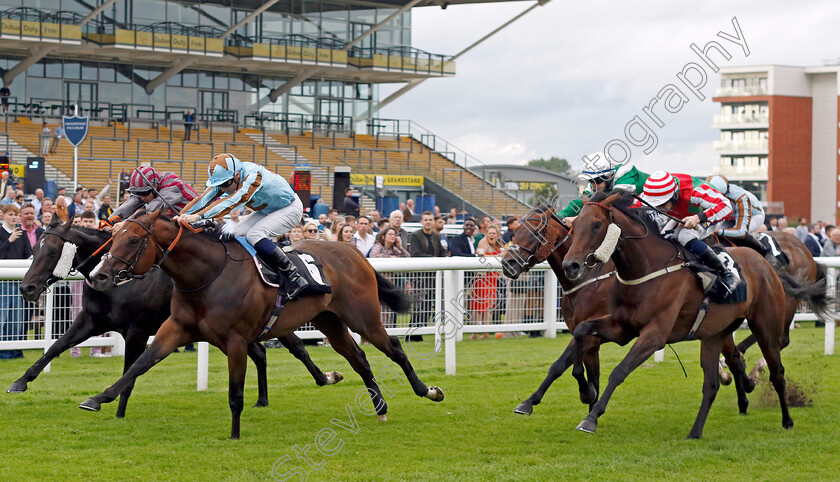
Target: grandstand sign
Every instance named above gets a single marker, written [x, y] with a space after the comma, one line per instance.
[370, 180]
[75, 129]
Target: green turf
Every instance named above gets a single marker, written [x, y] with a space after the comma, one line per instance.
[173, 432]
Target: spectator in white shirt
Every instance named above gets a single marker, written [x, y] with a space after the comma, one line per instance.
[364, 239]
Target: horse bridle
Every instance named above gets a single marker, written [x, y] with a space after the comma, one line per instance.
[127, 273]
[53, 278]
[531, 260]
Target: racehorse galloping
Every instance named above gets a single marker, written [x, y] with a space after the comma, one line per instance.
[542, 236]
[223, 301]
[135, 309]
[659, 306]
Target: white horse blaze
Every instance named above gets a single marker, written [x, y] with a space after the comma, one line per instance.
[605, 250]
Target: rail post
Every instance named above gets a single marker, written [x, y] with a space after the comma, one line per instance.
[48, 325]
[450, 286]
[550, 305]
[203, 364]
[830, 324]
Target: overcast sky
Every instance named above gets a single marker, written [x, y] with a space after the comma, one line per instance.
[567, 77]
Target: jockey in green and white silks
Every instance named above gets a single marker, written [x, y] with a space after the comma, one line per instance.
[601, 175]
[277, 209]
[747, 214]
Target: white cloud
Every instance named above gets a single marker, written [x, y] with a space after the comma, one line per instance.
[567, 77]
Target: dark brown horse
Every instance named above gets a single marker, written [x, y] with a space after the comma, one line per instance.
[220, 298]
[657, 300]
[135, 310]
[542, 236]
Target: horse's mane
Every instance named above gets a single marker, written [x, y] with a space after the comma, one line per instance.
[551, 232]
[624, 203]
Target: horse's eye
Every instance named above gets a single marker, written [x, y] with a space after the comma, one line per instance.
[52, 252]
[596, 226]
[133, 242]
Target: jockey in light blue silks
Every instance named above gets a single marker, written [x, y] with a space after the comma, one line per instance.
[747, 214]
[277, 209]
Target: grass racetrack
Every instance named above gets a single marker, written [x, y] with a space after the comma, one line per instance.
[172, 432]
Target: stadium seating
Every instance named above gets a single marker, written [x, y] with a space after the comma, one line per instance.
[108, 150]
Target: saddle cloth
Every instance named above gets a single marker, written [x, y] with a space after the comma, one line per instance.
[712, 288]
[773, 248]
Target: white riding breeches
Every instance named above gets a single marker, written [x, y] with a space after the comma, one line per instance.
[259, 225]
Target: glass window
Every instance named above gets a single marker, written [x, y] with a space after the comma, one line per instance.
[72, 70]
[107, 73]
[189, 78]
[53, 69]
[236, 82]
[220, 81]
[89, 71]
[174, 81]
[205, 80]
[35, 70]
[149, 11]
[123, 73]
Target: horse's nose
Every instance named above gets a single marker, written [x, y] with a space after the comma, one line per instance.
[28, 291]
[510, 268]
[101, 282]
[573, 269]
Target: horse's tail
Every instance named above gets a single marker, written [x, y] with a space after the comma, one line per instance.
[392, 296]
[813, 294]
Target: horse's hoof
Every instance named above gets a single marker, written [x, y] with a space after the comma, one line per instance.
[693, 436]
[524, 408]
[334, 377]
[261, 403]
[724, 376]
[435, 394]
[382, 418]
[787, 424]
[589, 397]
[587, 426]
[17, 387]
[90, 404]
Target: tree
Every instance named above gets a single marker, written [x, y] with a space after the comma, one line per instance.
[554, 164]
[545, 194]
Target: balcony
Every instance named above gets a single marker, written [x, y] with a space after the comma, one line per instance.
[33, 24]
[742, 121]
[758, 146]
[746, 91]
[742, 172]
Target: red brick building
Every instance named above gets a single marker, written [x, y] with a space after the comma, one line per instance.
[778, 137]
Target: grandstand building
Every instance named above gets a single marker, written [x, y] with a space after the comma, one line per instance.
[778, 136]
[279, 82]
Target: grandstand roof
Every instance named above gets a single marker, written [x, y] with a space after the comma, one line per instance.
[296, 6]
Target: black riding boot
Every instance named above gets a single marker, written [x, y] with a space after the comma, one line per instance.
[749, 241]
[710, 259]
[282, 263]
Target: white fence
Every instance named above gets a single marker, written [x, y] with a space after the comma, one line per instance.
[453, 297]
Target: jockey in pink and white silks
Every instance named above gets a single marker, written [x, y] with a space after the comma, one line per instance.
[170, 189]
[277, 209]
[677, 195]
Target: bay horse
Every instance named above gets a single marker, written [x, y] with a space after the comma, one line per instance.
[219, 298]
[542, 236]
[657, 300]
[135, 309]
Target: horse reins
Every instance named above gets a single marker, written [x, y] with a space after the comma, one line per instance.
[126, 274]
[557, 245]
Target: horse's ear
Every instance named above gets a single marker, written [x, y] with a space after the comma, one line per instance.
[64, 228]
[155, 215]
[610, 200]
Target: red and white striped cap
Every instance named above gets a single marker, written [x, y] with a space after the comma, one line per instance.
[659, 188]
